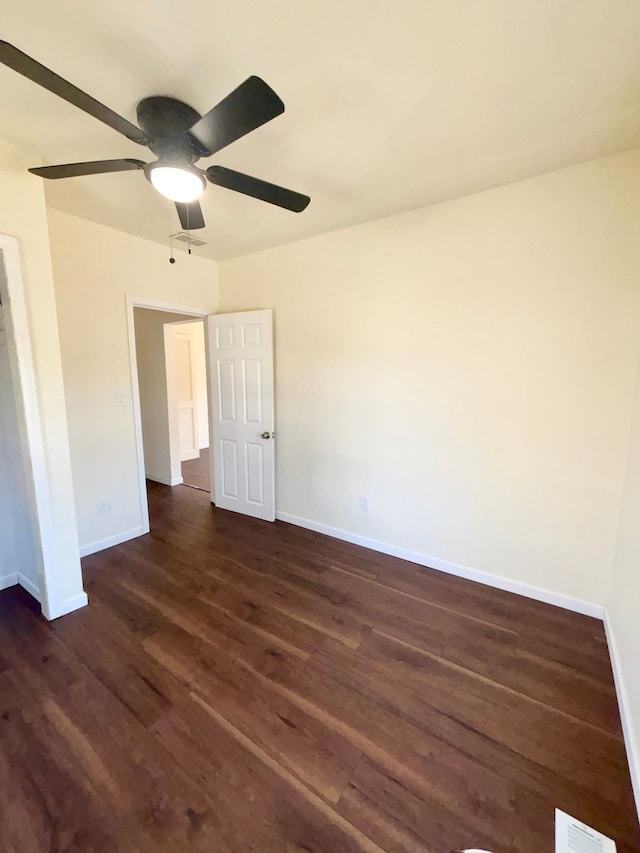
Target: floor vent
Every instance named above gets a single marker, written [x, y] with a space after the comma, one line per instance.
[184, 237]
[573, 836]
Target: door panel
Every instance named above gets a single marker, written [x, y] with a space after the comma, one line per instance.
[253, 391]
[186, 395]
[241, 375]
[254, 468]
[188, 430]
[229, 469]
[226, 390]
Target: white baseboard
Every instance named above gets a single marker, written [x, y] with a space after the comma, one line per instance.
[30, 586]
[558, 599]
[631, 741]
[74, 602]
[110, 541]
[8, 580]
[67, 606]
[166, 481]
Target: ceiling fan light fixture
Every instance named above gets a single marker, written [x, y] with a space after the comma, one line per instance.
[178, 183]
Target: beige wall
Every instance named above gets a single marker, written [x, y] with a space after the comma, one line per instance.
[470, 368]
[94, 268]
[624, 600]
[23, 215]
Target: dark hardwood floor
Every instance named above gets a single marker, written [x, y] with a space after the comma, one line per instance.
[196, 473]
[242, 686]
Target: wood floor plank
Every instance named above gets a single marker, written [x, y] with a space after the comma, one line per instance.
[266, 808]
[146, 689]
[320, 757]
[319, 613]
[386, 806]
[416, 683]
[118, 765]
[241, 686]
[479, 641]
[442, 772]
[250, 607]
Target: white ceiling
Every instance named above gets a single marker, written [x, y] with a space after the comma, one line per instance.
[390, 104]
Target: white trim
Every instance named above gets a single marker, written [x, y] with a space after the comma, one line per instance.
[207, 364]
[132, 302]
[16, 578]
[166, 481]
[569, 602]
[75, 602]
[29, 421]
[30, 586]
[169, 307]
[110, 541]
[8, 580]
[173, 424]
[631, 741]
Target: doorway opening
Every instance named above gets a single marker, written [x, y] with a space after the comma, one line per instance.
[174, 410]
[170, 401]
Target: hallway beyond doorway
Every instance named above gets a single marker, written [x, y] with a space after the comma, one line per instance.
[196, 472]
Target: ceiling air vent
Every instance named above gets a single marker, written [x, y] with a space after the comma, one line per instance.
[184, 237]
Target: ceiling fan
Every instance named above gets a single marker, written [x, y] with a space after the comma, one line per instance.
[177, 135]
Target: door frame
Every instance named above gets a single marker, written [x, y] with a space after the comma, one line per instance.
[132, 302]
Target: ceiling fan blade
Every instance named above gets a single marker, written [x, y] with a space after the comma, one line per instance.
[249, 106]
[190, 215]
[95, 167]
[256, 188]
[33, 70]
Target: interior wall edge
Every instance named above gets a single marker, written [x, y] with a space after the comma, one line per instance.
[558, 599]
[631, 741]
[43, 426]
[165, 481]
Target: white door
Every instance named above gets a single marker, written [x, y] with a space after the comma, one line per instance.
[240, 352]
[186, 395]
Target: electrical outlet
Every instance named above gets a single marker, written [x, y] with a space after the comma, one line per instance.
[104, 506]
[363, 503]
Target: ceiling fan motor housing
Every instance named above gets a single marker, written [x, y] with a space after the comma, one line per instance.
[166, 122]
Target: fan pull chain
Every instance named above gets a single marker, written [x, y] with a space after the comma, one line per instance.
[172, 260]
